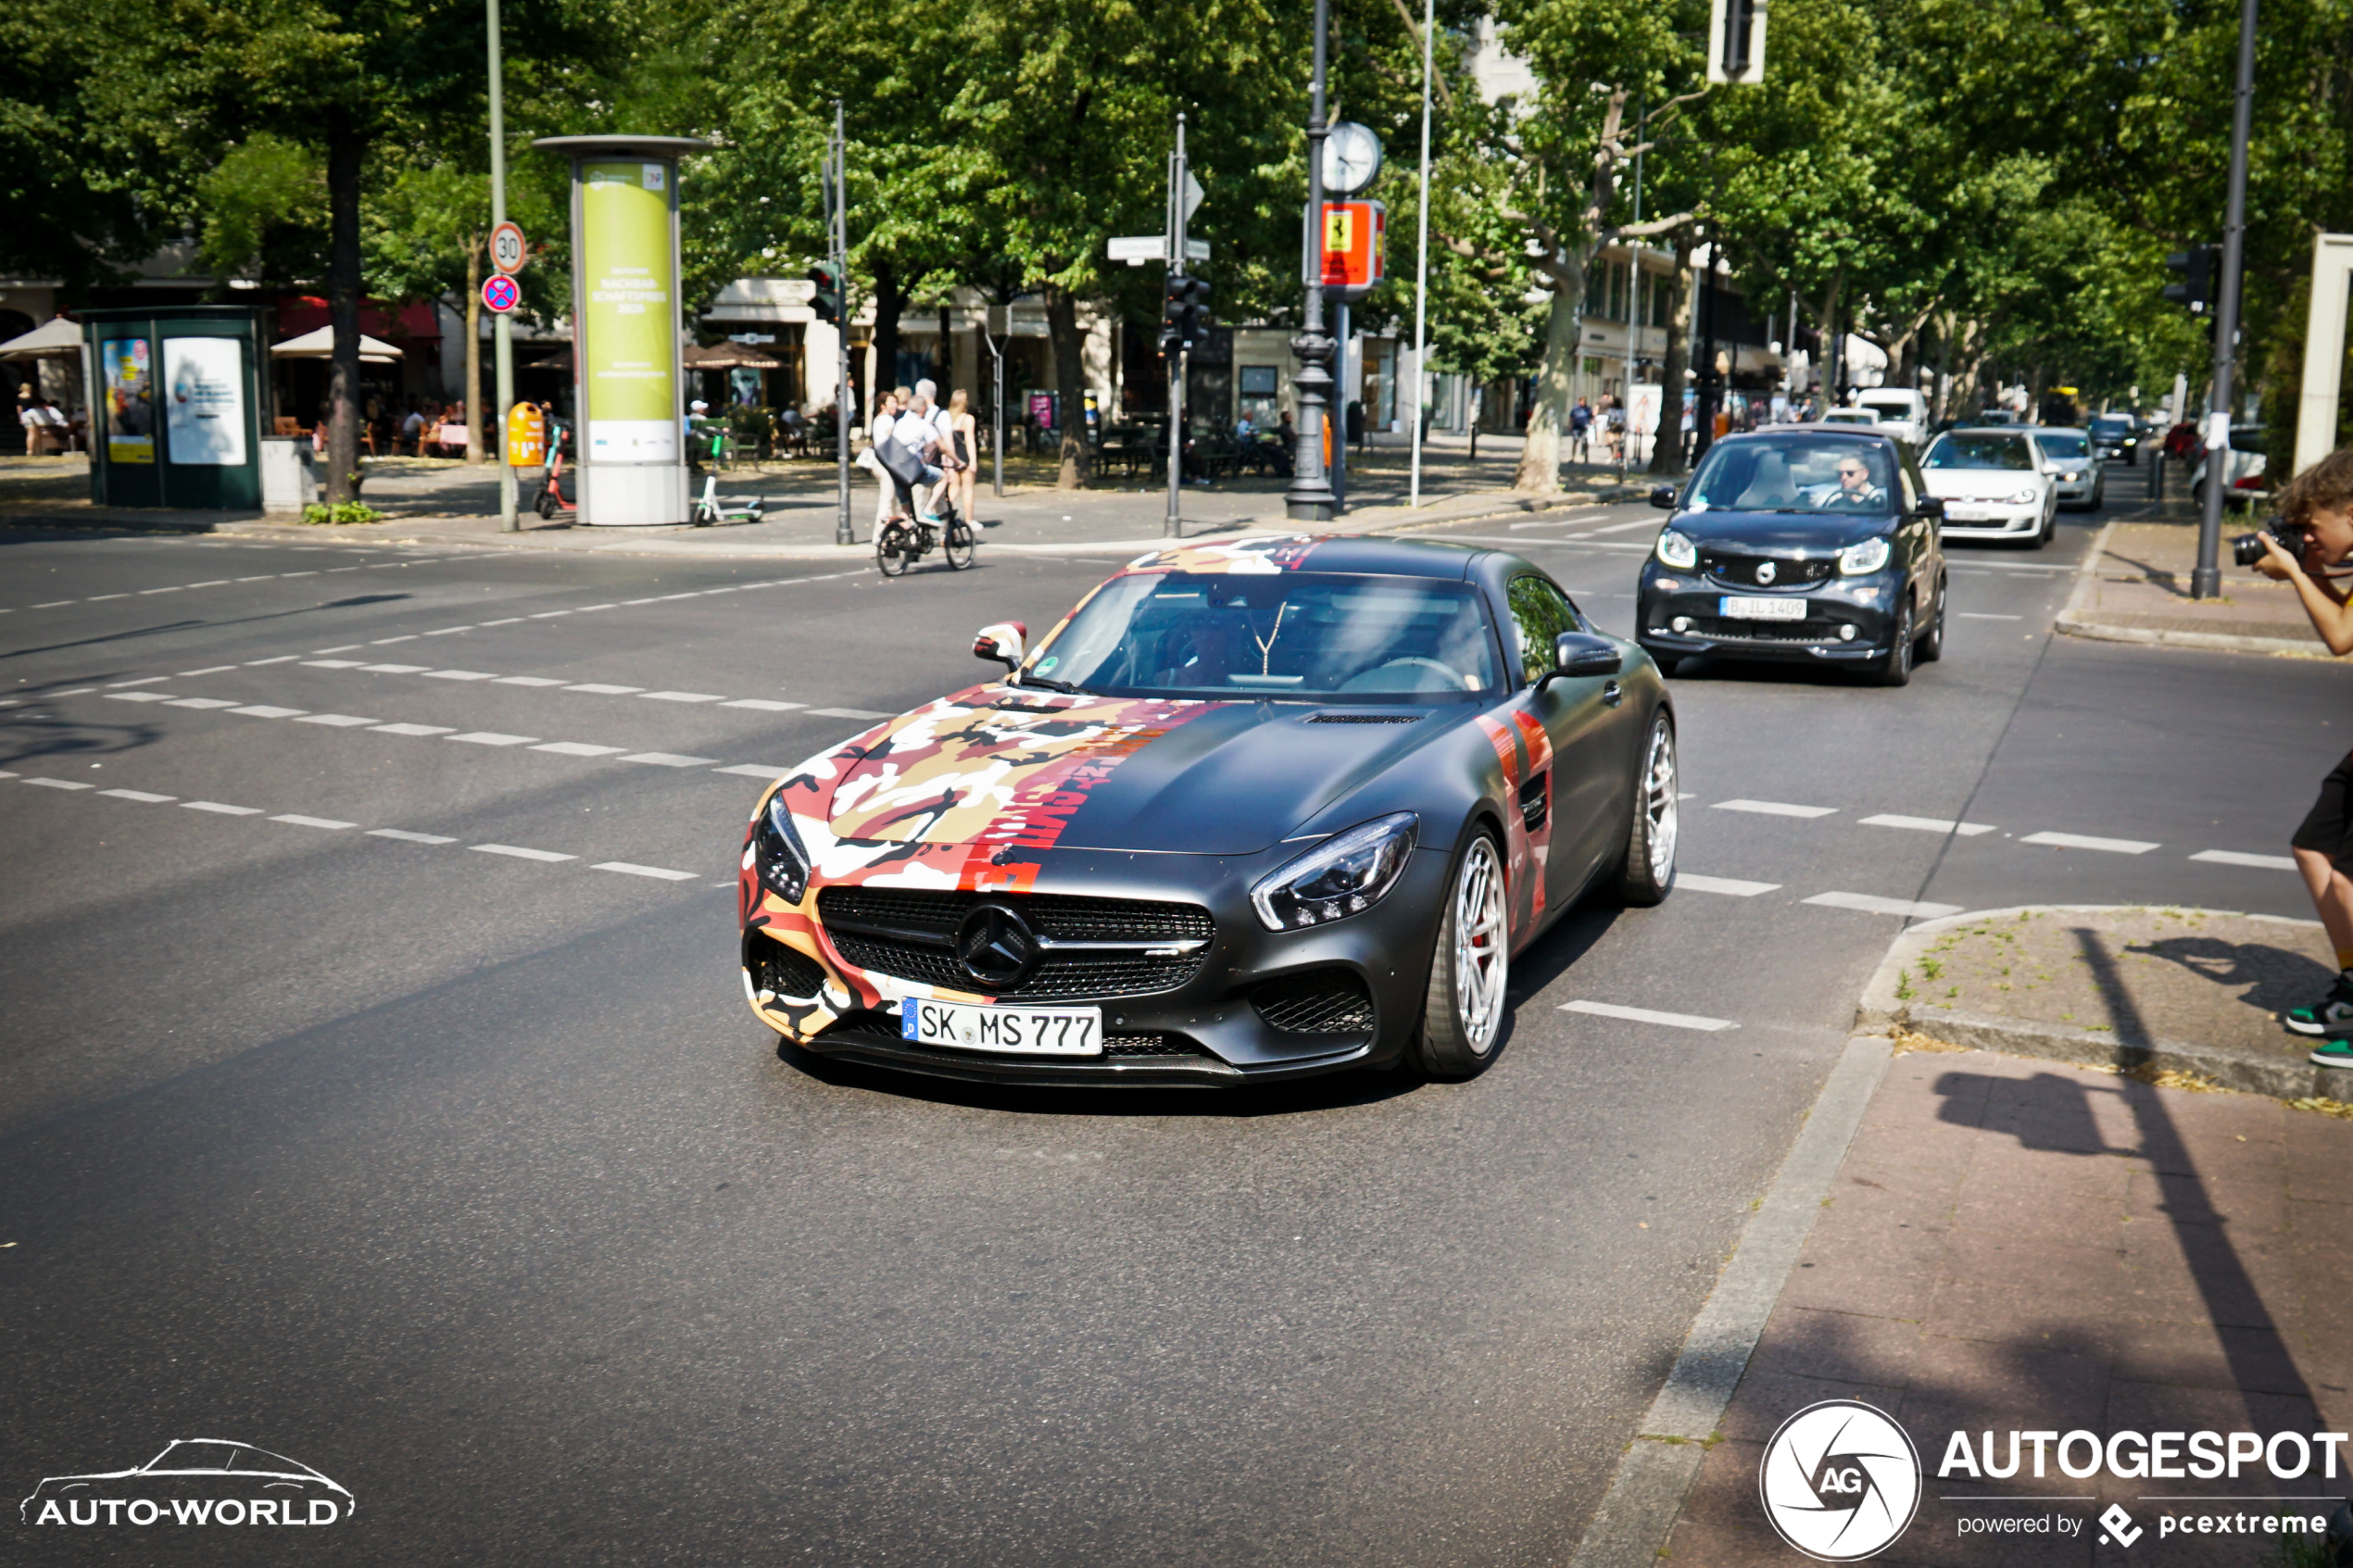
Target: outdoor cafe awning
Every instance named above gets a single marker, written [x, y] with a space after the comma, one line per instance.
[730, 356]
[59, 338]
[321, 344]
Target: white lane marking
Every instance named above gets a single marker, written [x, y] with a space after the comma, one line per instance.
[1775, 809]
[845, 713]
[386, 642]
[74, 691]
[264, 710]
[216, 806]
[202, 702]
[492, 737]
[282, 658]
[1560, 521]
[695, 595]
[343, 647]
[521, 854]
[655, 872]
[2236, 858]
[1648, 1015]
[55, 604]
[332, 663]
[446, 631]
[2082, 841]
[591, 610]
[297, 574]
[683, 696]
[764, 705]
[1985, 615]
[138, 696]
[1927, 824]
[60, 783]
[669, 759]
[144, 591]
[338, 721]
[527, 681]
[461, 675]
[637, 601]
[139, 794]
[101, 598]
[407, 837]
[415, 730]
[1730, 884]
[753, 770]
[208, 669]
[394, 669]
[580, 748]
[142, 681]
[1622, 527]
[599, 689]
[549, 614]
[1872, 904]
[510, 620]
[302, 821]
[223, 582]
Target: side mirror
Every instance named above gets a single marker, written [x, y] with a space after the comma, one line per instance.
[1662, 496]
[1581, 653]
[1007, 641]
[1930, 506]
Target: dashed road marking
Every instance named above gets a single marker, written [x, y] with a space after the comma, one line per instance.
[1775, 809]
[1727, 884]
[492, 737]
[656, 872]
[669, 759]
[764, 705]
[1927, 824]
[142, 681]
[297, 820]
[208, 669]
[60, 784]
[1872, 904]
[407, 837]
[139, 696]
[203, 702]
[337, 720]
[683, 696]
[845, 713]
[462, 674]
[1650, 1015]
[520, 853]
[2083, 841]
[139, 794]
[264, 710]
[2236, 858]
[761, 771]
[1985, 615]
[219, 809]
[599, 688]
[418, 729]
[579, 748]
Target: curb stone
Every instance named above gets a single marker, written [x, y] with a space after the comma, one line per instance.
[2073, 623]
[1883, 1010]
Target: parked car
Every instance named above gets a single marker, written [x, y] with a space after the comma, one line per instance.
[2116, 438]
[2066, 456]
[2244, 470]
[1806, 545]
[1902, 413]
[1992, 486]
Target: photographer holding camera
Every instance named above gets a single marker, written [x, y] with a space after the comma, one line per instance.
[2316, 515]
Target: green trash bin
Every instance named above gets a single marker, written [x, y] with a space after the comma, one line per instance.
[179, 405]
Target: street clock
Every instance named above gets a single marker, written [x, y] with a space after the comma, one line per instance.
[1352, 158]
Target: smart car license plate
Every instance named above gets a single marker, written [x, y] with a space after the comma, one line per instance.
[1017, 1031]
[1764, 609]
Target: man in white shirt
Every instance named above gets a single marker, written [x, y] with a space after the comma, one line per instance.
[922, 431]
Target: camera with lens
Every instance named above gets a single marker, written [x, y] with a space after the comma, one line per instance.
[2247, 549]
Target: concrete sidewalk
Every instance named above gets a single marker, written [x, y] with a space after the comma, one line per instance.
[2136, 589]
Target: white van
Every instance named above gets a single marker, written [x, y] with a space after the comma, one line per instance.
[1901, 414]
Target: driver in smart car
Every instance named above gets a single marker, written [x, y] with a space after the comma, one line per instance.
[1854, 490]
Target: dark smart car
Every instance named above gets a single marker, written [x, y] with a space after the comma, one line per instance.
[1810, 545]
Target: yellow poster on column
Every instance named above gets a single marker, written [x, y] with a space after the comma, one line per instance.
[629, 319]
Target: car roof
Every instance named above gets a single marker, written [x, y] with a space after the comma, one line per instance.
[1994, 430]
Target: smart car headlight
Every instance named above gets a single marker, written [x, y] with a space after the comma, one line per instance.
[1346, 875]
[1677, 550]
[1857, 560]
[777, 853]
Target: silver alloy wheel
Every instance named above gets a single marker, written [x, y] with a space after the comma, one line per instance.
[1483, 947]
[1659, 801]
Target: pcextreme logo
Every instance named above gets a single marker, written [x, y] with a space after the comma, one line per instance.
[194, 1481]
[1840, 1481]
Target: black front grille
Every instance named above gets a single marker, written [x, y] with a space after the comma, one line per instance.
[1149, 1045]
[909, 934]
[1727, 567]
[782, 971]
[1366, 718]
[1722, 629]
[1322, 1001]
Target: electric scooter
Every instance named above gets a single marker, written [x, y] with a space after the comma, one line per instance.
[550, 501]
[709, 510]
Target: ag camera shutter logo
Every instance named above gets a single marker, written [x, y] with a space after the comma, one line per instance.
[1840, 1481]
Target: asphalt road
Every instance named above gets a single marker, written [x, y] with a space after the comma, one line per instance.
[380, 1090]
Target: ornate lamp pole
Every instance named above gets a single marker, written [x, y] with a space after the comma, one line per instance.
[1310, 498]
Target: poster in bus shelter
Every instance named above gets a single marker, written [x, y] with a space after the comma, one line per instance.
[131, 400]
[629, 321]
[204, 412]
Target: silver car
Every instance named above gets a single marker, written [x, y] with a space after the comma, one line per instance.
[2065, 454]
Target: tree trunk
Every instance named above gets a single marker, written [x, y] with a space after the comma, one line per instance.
[1539, 459]
[345, 151]
[1070, 372]
[945, 358]
[1666, 443]
[890, 302]
[473, 351]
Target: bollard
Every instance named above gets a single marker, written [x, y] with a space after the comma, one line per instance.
[2157, 475]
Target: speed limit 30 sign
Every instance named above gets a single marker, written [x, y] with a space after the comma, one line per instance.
[508, 251]
[500, 294]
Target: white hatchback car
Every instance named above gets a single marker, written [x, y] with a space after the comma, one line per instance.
[1992, 486]
[2065, 455]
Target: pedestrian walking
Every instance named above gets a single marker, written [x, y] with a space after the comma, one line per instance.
[963, 434]
[887, 407]
[1580, 430]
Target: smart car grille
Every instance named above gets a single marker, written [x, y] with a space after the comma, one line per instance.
[1719, 629]
[910, 934]
[1322, 1001]
[1366, 718]
[1744, 569]
[782, 971]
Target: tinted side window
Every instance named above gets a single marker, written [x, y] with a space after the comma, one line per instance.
[1540, 613]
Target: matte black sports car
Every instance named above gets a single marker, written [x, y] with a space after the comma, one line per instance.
[1813, 544]
[1251, 811]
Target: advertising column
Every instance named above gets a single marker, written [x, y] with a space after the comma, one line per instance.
[625, 327]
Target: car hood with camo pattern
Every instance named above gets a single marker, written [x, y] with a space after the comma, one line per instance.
[1000, 766]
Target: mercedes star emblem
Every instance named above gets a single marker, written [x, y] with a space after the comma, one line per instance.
[996, 947]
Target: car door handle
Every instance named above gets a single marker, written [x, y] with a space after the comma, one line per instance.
[1612, 695]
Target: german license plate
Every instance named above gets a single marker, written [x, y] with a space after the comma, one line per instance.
[1763, 609]
[971, 1026]
[1966, 514]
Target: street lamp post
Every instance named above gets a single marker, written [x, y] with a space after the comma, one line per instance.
[1310, 498]
[2206, 580]
[838, 252]
[502, 332]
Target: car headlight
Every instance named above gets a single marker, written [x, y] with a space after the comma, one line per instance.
[2027, 492]
[1869, 555]
[1677, 550]
[1346, 875]
[777, 854]
[2070, 477]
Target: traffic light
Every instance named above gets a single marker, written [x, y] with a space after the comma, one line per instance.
[830, 290]
[1184, 313]
[2198, 267]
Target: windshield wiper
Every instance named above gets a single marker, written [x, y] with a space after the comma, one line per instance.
[1049, 686]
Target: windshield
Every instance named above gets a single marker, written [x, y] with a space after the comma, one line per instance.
[1822, 473]
[2112, 425]
[1979, 452]
[1899, 404]
[2064, 446]
[1307, 636]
